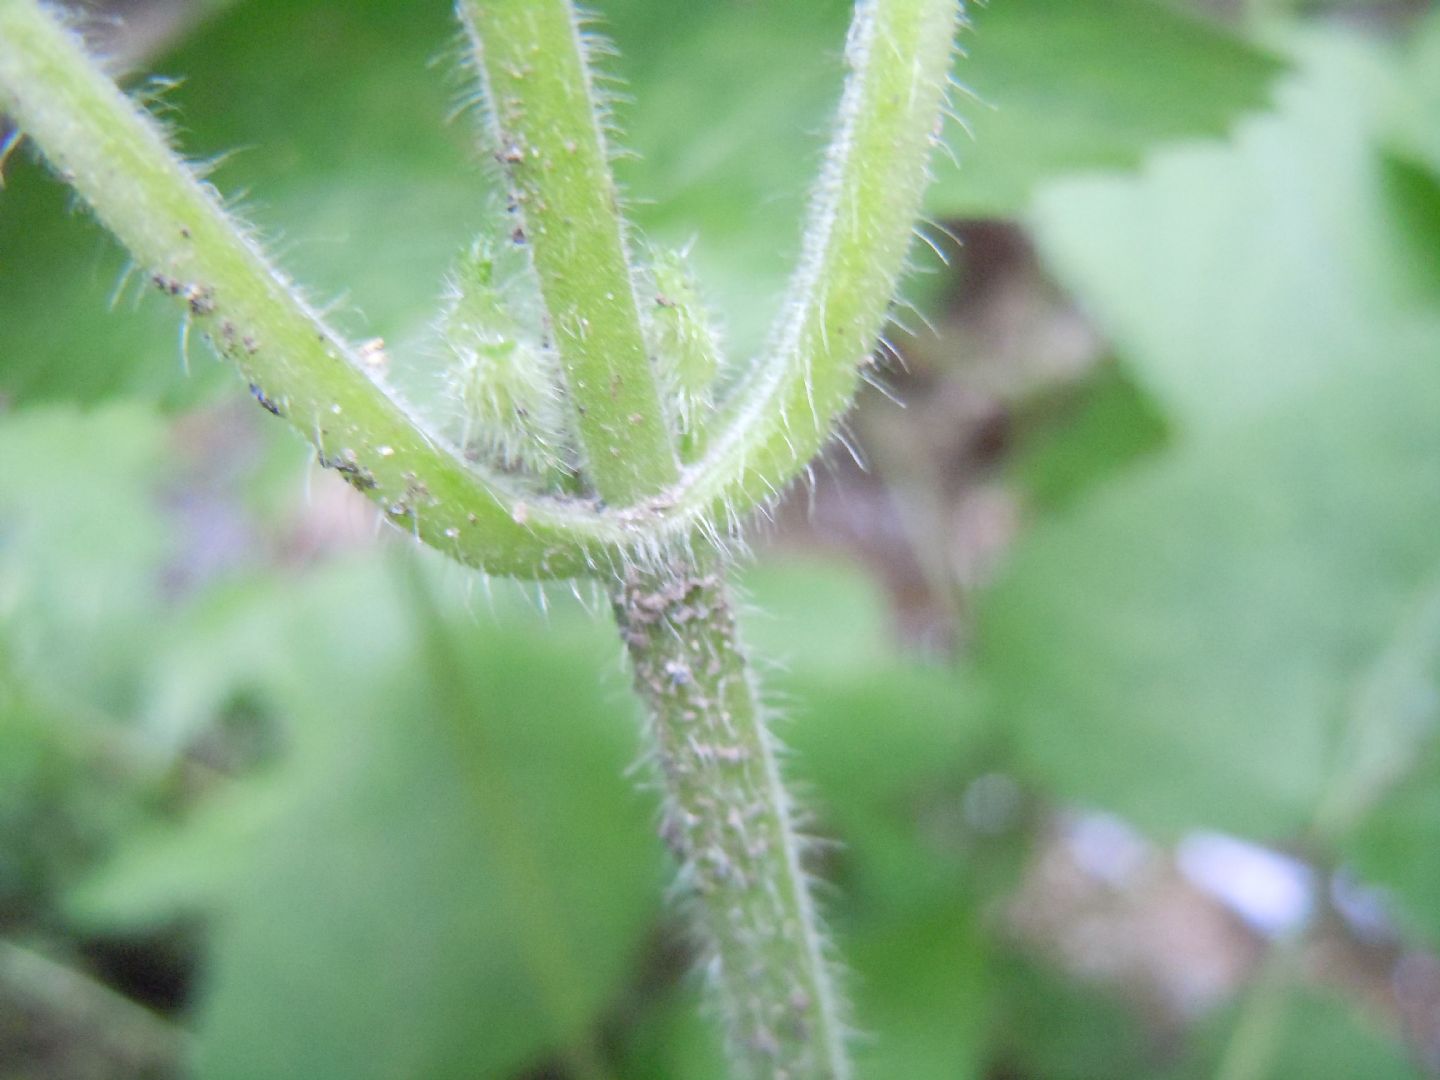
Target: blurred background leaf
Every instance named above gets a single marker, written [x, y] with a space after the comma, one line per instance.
[1268, 266]
[463, 813]
[1307, 1035]
[1062, 87]
[1219, 606]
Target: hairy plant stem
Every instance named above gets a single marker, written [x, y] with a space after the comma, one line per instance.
[117, 158]
[856, 239]
[175, 227]
[727, 814]
[546, 133]
[727, 819]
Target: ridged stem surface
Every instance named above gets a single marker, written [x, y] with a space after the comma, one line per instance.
[727, 819]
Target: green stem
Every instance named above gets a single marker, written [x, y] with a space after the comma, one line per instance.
[728, 815]
[546, 133]
[865, 205]
[727, 819]
[116, 157]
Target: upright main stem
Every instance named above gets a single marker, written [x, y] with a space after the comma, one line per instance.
[727, 814]
[727, 820]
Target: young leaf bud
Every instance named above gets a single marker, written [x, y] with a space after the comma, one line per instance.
[503, 382]
[686, 346]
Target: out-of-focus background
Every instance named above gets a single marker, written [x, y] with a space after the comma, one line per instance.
[1109, 657]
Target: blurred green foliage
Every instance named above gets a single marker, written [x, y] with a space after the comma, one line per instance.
[394, 809]
[332, 116]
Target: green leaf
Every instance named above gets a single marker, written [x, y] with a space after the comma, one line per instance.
[1413, 192]
[1066, 86]
[673, 1041]
[1232, 278]
[1049, 1025]
[1188, 646]
[1104, 425]
[84, 543]
[57, 808]
[923, 991]
[87, 549]
[372, 830]
[450, 842]
[461, 854]
[1184, 647]
[161, 876]
[820, 618]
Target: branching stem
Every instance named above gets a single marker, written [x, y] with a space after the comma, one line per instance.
[174, 225]
[727, 815]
